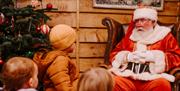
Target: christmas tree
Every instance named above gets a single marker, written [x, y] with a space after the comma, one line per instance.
[22, 30]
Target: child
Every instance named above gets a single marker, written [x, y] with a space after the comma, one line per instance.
[96, 79]
[56, 70]
[20, 74]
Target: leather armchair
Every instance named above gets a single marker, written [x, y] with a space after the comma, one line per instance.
[116, 33]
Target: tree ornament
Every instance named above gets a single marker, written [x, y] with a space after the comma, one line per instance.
[12, 23]
[38, 28]
[2, 18]
[1, 62]
[49, 6]
[44, 29]
[29, 54]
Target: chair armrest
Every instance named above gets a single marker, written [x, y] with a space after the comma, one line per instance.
[178, 32]
[176, 73]
[115, 34]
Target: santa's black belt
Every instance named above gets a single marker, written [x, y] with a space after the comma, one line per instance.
[138, 68]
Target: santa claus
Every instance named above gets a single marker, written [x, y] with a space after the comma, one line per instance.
[141, 60]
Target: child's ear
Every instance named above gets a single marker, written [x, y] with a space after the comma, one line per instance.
[30, 82]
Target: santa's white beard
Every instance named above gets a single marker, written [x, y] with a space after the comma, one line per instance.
[143, 33]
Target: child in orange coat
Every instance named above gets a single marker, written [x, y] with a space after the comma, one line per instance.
[56, 70]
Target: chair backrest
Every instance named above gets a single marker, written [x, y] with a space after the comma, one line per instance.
[116, 33]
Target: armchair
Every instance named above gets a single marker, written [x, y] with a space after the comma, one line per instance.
[116, 33]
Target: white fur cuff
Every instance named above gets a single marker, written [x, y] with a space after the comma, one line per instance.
[120, 58]
[159, 62]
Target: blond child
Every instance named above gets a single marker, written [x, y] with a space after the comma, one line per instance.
[19, 74]
[56, 70]
[96, 79]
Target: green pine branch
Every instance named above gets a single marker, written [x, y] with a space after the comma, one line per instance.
[18, 34]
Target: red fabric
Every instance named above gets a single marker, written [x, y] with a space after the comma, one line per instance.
[168, 45]
[127, 84]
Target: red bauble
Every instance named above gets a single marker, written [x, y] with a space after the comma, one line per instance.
[2, 18]
[49, 6]
[44, 29]
[38, 29]
[1, 62]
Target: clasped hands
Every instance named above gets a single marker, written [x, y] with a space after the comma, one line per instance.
[140, 57]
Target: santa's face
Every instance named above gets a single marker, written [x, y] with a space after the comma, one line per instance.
[144, 24]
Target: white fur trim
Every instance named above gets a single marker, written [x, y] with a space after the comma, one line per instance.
[125, 73]
[146, 76]
[159, 62]
[28, 89]
[145, 13]
[158, 34]
[120, 59]
[169, 77]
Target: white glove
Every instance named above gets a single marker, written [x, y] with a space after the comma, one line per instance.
[120, 59]
[147, 56]
[156, 58]
[131, 57]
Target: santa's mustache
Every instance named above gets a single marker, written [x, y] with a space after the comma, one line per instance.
[140, 29]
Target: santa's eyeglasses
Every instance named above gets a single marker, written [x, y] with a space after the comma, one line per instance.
[142, 20]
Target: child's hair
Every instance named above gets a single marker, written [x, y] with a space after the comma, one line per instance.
[16, 72]
[96, 79]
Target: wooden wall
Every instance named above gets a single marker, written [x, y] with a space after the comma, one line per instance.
[92, 35]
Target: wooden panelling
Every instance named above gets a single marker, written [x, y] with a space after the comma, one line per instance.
[22, 3]
[170, 8]
[59, 18]
[89, 63]
[93, 35]
[88, 50]
[86, 63]
[91, 50]
[166, 19]
[95, 20]
[62, 5]
[86, 19]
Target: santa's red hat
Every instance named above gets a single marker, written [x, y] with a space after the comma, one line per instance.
[145, 13]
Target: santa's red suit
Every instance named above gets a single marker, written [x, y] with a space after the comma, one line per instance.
[159, 46]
